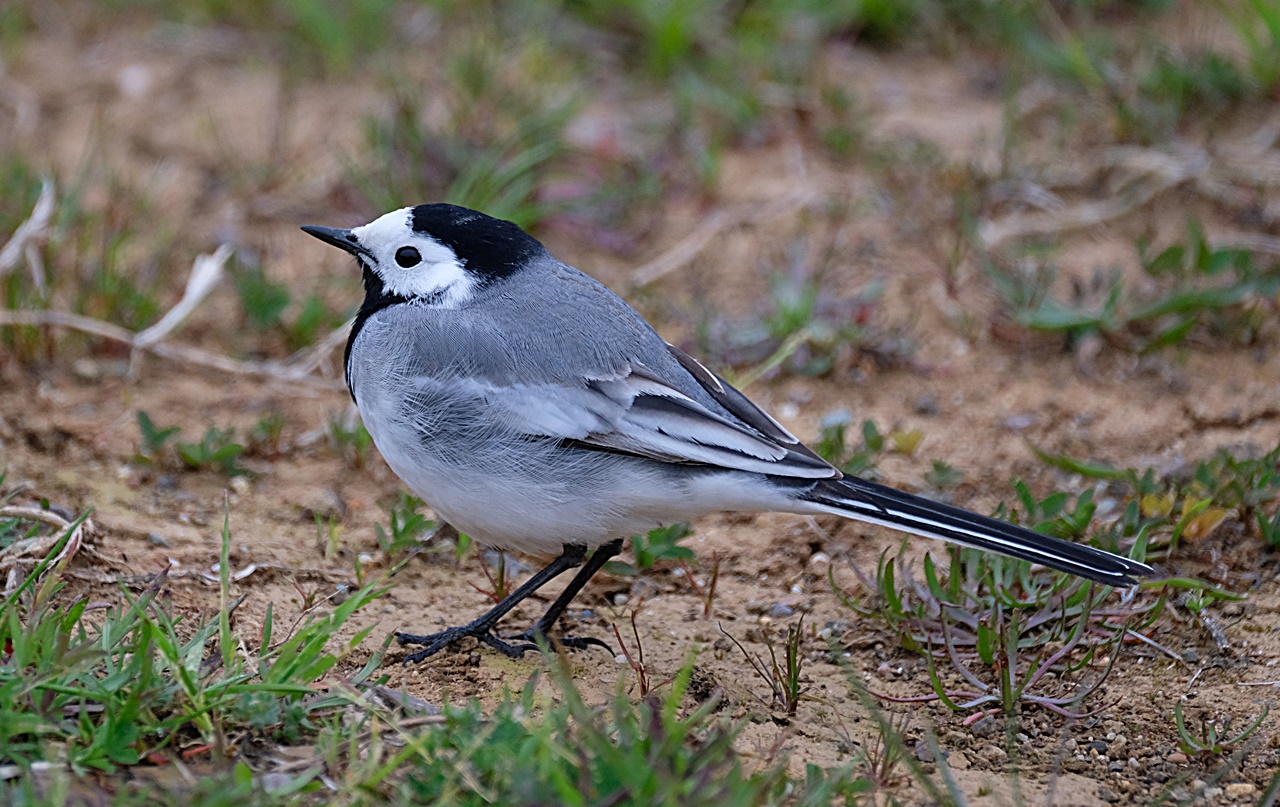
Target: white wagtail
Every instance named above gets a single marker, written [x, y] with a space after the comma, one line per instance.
[534, 410]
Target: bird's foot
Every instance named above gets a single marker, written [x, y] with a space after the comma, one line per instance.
[435, 642]
[515, 648]
[533, 635]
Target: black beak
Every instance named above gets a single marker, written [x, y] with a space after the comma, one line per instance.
[342, 239]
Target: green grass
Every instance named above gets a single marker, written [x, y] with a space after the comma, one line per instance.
[1001, 628]
[661, 544]
[406, 527]
[122, 682]
[658, 751]
[834, 446]
[1103, 57]
[499, 141]
[270, 308]
[109, 261]
[217, 450]
[1257, 23]
[152, 448]
[1189, 290]
[106, 685]
[1160, 512]
[128, 685]
[784, 678]
[312, 38]
[1213, 737]
[350, 440]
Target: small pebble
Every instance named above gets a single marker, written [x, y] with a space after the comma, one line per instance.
[836, 417]
[926, 404]
[1233, 609]
[1177, 758]
[1240, 790]
[274, 781]
[86, 369]
[620, 600]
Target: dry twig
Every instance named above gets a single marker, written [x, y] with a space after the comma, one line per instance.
[1232, 174]
[28, 236]
[30, 551]
[205, 274]
[715, 223]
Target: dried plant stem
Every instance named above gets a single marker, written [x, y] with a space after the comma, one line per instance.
[715, 223]
[28, 235]
[31, 551]
[300, 372]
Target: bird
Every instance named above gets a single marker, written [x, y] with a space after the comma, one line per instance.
[534, 410]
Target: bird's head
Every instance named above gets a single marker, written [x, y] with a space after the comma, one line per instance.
[436, 254]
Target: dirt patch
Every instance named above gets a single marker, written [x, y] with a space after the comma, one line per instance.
[67, 431]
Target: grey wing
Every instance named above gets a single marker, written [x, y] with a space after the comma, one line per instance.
[741, 406]
[633, 411]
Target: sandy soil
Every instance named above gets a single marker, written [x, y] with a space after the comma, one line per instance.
[979, 392]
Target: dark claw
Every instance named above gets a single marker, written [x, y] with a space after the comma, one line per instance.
[583, 642]
[512, 650]
[567, 642]
[435, 642]
[413, 638]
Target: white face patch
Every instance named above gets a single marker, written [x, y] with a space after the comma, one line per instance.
[436, 277]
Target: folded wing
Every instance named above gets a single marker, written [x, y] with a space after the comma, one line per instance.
[635, 412]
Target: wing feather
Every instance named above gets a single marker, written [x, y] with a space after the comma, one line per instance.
[635, 412]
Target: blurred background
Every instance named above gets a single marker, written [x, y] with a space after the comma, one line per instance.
[854, 144]
[1023, 256]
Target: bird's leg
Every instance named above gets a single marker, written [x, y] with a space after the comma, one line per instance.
[482, 628]
[599, 558]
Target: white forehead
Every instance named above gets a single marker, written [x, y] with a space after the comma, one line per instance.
[439, 278]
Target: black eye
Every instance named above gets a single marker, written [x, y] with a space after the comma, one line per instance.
[408, 256]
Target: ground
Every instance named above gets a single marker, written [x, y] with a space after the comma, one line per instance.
[982, 389]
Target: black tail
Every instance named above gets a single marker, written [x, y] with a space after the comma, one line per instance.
[866, 501]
